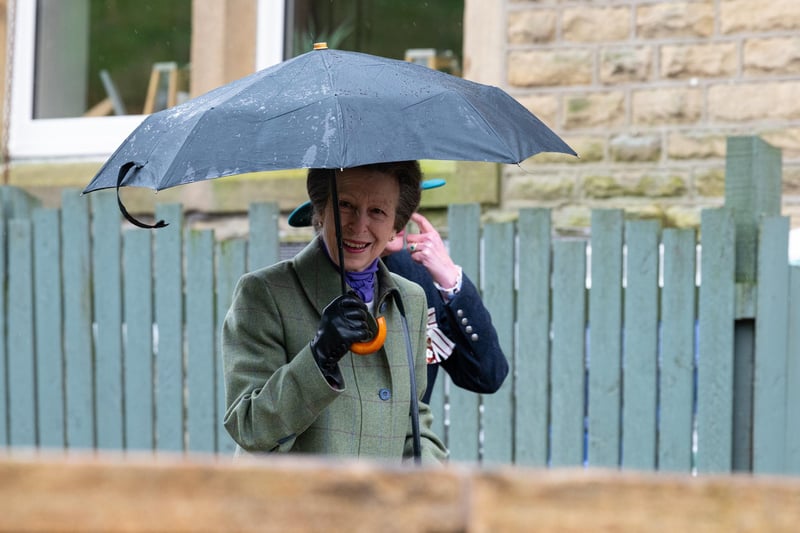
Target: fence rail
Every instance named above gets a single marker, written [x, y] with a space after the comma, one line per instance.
[110, 337]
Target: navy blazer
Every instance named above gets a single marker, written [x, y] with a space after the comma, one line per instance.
[477, 363]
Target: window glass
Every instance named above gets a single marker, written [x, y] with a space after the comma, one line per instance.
[388, 28]
[110, 57]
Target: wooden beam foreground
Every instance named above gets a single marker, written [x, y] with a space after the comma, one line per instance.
[40, 493]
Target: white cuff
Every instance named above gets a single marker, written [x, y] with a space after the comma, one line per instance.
[450, 293]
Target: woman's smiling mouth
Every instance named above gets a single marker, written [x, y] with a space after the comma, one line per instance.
[355, 247]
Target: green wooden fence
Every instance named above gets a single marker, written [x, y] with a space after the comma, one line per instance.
[673, 357]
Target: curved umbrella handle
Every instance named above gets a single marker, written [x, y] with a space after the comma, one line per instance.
[372, 346]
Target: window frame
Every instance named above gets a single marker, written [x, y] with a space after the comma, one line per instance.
[93, 137]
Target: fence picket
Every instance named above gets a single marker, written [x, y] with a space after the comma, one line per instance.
[567, 365]
[605, 339]
[138, 353]
[78, 346]
[532, 358]
[640, 356]
[48, 328]
[3, 336]
[715, 343]
[107, 279]
[498, 408]
[169, 322]
[769, 398]
[264, 248]
[464, 224]
[200, 369]
[231, 261]
[676, 377]
[21, 359]
[793, 376]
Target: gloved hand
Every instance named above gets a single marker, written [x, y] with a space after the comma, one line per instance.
[343, 322]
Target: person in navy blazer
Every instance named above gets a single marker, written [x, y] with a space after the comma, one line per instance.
[461, 337]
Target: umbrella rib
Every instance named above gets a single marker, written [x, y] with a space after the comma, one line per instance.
[488, 126]
[335, 96]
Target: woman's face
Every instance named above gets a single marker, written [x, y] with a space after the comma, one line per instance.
[367, 205]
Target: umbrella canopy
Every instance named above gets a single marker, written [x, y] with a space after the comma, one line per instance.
[327, 109]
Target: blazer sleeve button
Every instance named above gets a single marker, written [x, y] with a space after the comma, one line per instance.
[384, 394]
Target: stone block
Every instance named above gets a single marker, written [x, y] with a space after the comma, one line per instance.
[599, 109]
[630, 148]
[739, 16]
[666, 20]
[601, 186]
[680, 105]
[754, 102]
[787, 139]
[590, 149]
[539, 189]
[710, 182]
[532, 26]
[544, 106]
[773, 56]
[710, 60]
[682, 217]
[694, 145]
[791, 180]
[625, 64]
[596, 24]
[554, 68]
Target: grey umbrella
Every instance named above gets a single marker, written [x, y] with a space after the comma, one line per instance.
[327, 109]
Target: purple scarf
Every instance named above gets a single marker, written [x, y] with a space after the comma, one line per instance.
[362, 282]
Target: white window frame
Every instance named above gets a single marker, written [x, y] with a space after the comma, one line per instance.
[94, 137]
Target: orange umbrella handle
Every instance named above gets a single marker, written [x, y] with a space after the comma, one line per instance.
[366, 348]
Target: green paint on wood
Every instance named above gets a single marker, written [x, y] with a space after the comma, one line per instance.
[640, 368]
[498, 296]
[605, 339]
[769, 401]
[715, 364]
[532, 357]
[169, 322]
[568, 354]
[48, 328]
[677, 352]
[464, 224]
[138, 353]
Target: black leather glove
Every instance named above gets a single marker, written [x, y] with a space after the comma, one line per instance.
[344, 321]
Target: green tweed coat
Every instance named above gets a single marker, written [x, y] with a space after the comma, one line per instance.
[277, 398]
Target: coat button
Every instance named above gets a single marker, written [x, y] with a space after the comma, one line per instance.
[384, 394]
[460, 313]
[464, 321]
[474, 337]
[468, 329]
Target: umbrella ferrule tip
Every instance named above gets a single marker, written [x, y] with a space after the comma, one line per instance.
[321, 46]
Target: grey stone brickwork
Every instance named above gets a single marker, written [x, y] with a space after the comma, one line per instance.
[647, 91]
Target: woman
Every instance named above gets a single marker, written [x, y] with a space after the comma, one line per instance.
[463, 339]
[292, 385]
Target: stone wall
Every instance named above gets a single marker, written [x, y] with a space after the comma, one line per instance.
[646, 91]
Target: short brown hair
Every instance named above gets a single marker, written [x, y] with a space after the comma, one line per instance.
[407, 173]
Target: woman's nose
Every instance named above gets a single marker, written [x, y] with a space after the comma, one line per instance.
[358, 220]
